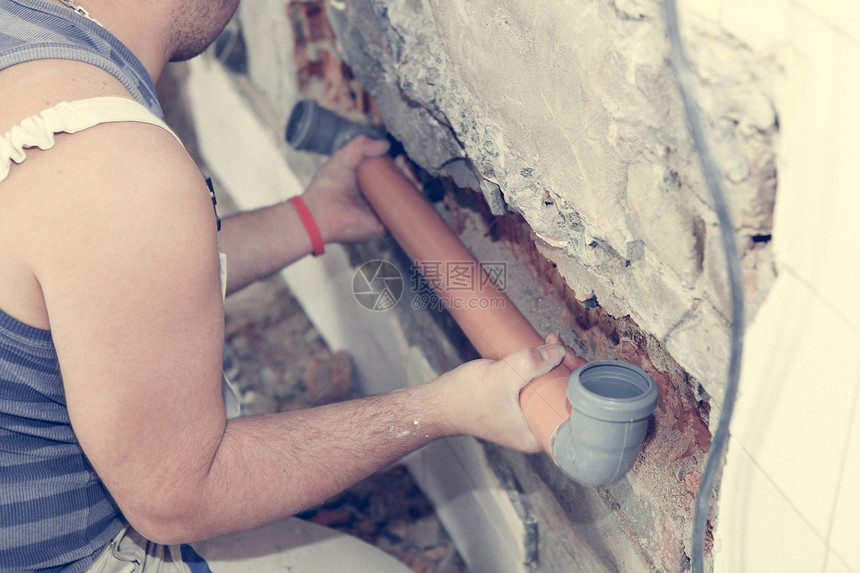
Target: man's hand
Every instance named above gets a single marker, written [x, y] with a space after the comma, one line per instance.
[334, 199]
[482, 397]
[261, 242]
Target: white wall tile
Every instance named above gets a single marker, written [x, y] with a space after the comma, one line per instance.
[845, 532]
[762, 25]
[835, 564]
[818, 203]
[797, 395]
[842, 14]
[758, 528]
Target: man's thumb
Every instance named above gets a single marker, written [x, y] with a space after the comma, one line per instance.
[552, 354]
[531, 363]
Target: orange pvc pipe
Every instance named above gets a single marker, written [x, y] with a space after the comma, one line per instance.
[495, 327]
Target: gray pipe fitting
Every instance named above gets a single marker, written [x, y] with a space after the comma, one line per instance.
[611, 402]
[312, 127]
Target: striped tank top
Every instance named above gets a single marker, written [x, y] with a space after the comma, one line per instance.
[55, 514]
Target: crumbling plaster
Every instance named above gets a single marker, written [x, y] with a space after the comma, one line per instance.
[568, 113]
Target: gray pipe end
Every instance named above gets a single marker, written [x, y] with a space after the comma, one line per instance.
[312, 127]
[611, 402]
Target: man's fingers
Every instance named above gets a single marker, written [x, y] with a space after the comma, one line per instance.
[353, 153]
[376, 147]
[553, 338]
[571, 360]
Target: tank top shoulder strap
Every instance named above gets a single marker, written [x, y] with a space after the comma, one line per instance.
[74, 116]
[70, 117]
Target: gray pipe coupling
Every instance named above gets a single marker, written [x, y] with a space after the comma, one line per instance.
[312, 127]
[611, 402]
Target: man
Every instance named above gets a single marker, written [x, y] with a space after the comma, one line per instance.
[111, 328]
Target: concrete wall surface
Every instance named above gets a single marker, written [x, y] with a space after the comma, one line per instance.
[558, 134]
[568, 113]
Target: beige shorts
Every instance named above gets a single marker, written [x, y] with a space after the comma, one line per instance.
[129, 552]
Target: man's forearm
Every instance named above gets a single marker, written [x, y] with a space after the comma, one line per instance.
[269, 467]
[262, 242]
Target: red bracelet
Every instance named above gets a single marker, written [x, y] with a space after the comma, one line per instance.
[317, 243]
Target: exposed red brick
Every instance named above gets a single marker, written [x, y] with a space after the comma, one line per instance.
[318, 25]
[297, 16]
[337, 79]
[320, 72]
[309, 22]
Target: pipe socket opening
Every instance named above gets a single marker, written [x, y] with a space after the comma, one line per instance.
[612, 390]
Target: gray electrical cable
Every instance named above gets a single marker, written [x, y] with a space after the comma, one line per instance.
[720, 437]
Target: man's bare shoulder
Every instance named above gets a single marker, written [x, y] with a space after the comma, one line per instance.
[112, 190]
[127, 182]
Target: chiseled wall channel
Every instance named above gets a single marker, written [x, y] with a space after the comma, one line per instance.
[553, 139]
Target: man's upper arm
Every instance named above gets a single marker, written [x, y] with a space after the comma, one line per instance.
[129, 272]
